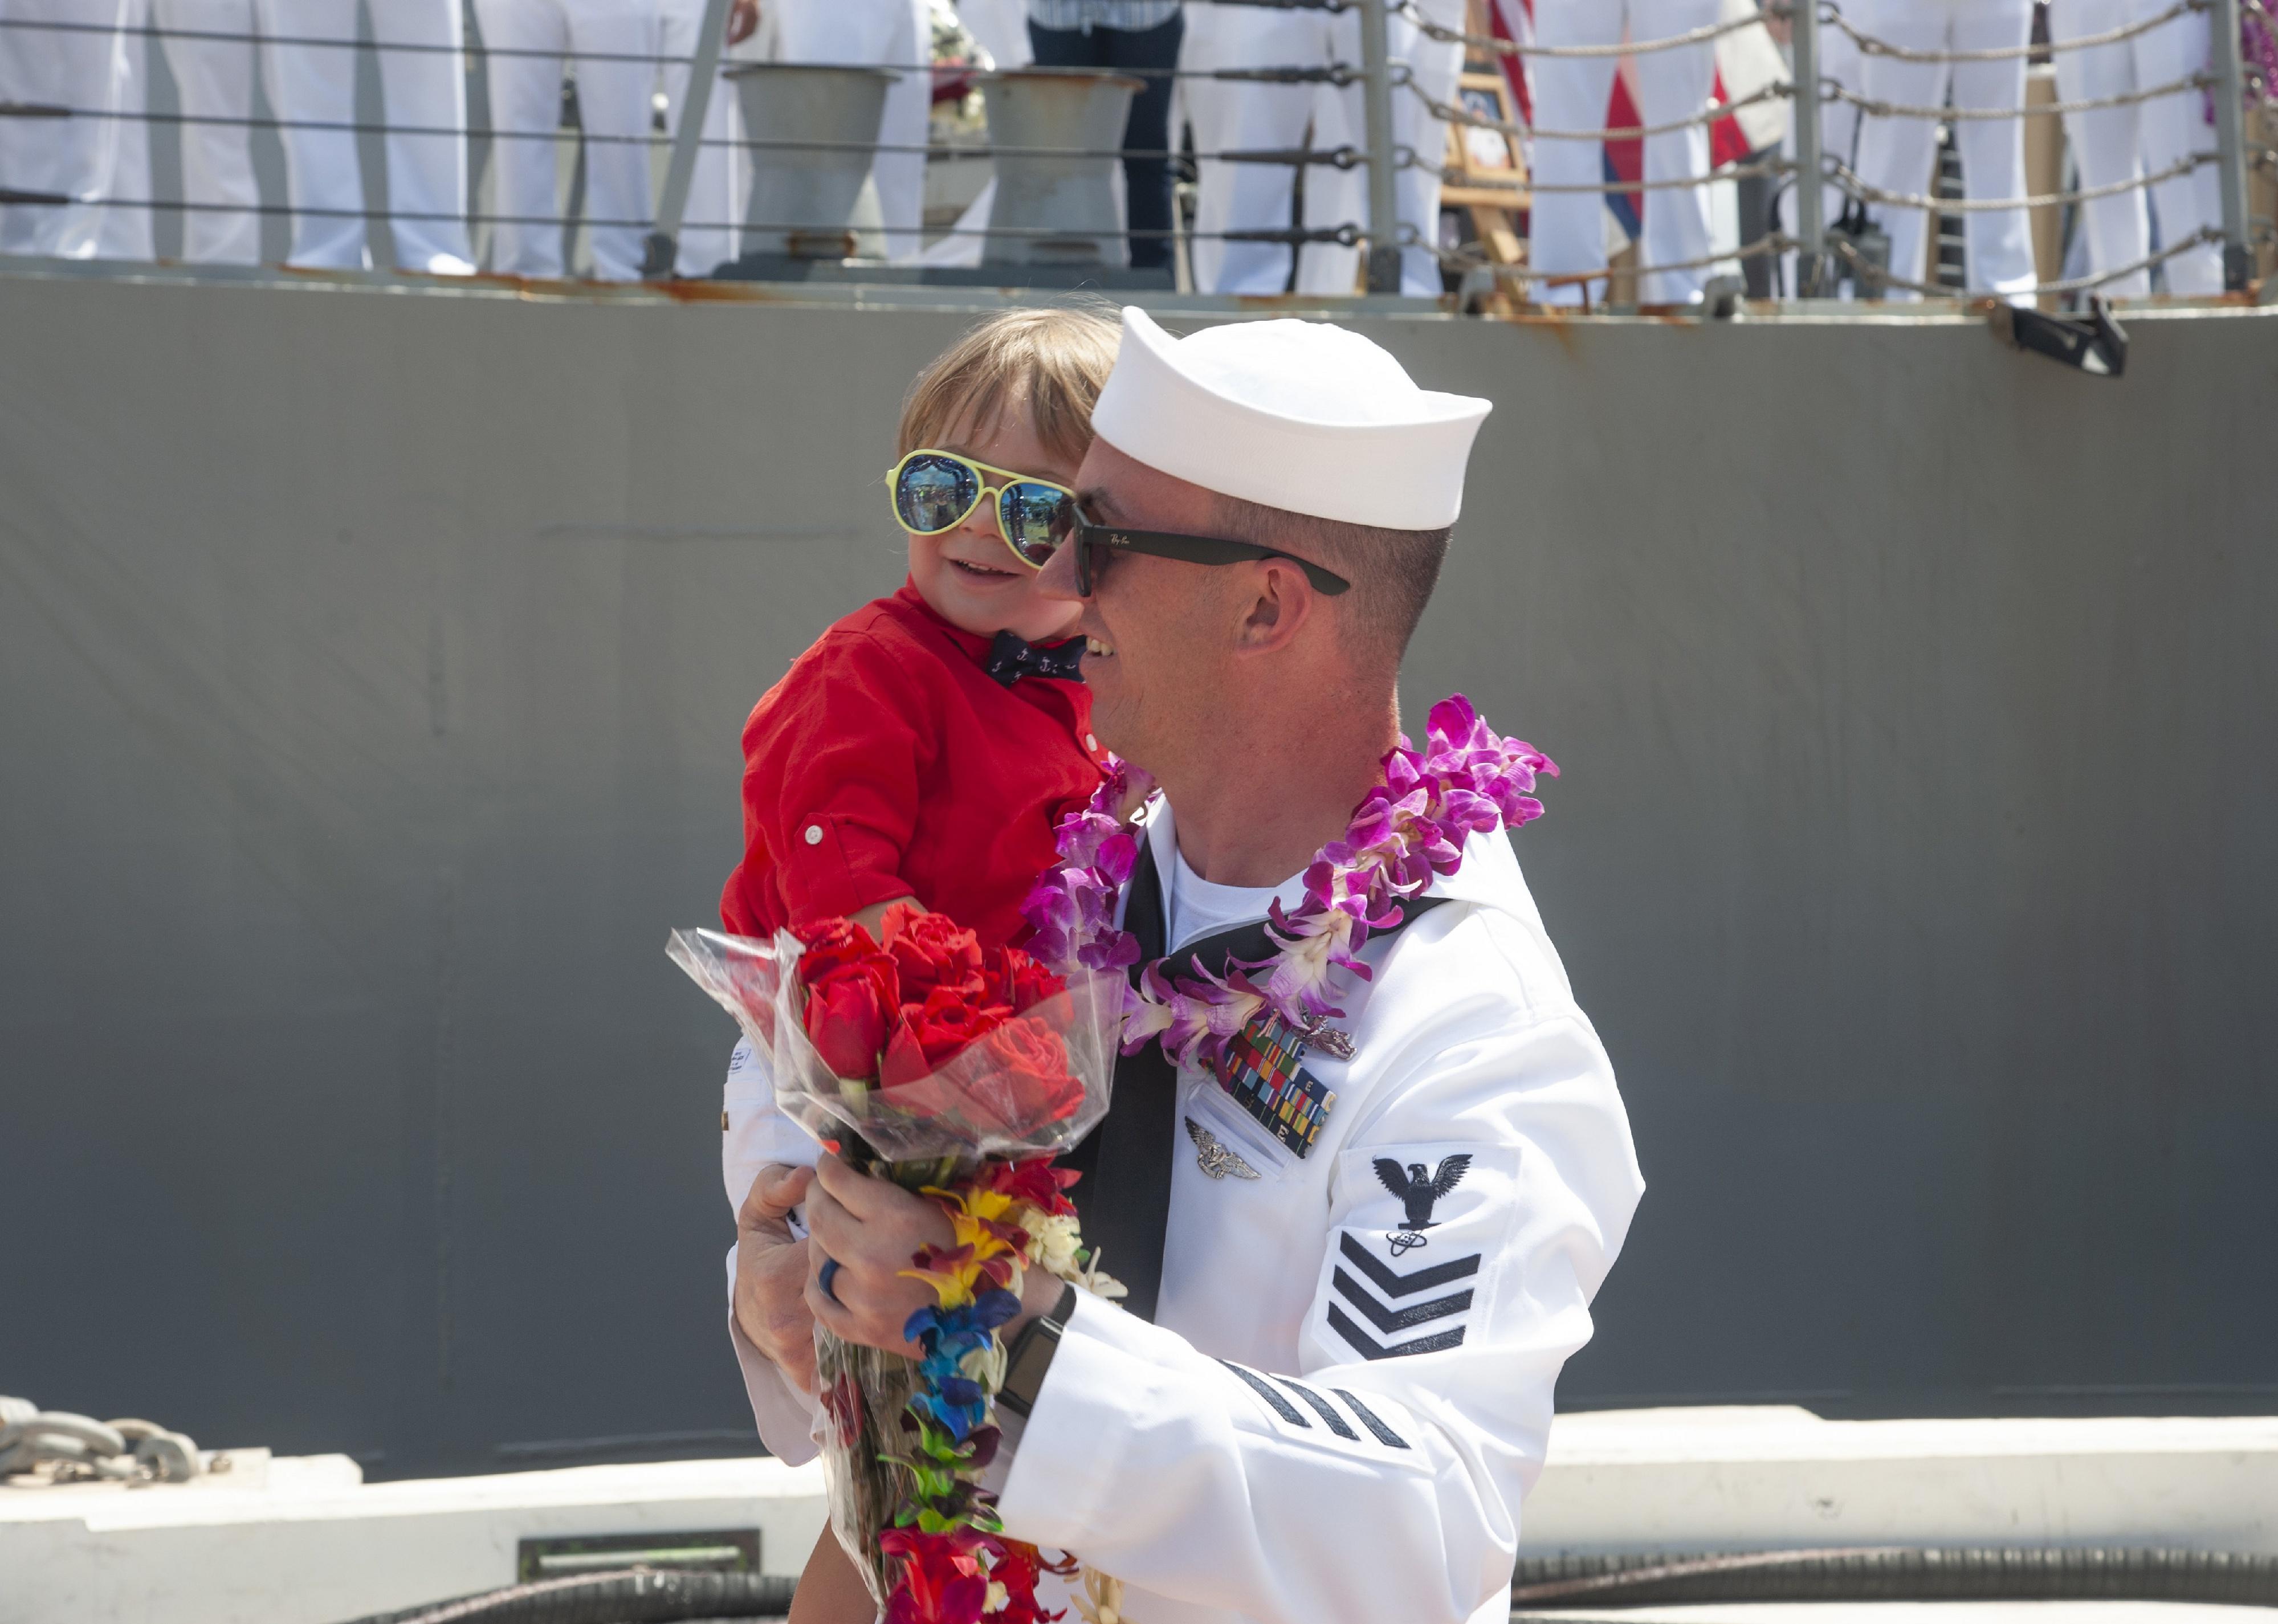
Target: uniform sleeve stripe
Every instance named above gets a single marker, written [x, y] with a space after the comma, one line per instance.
[1266, 1390]
[1370, 1348]
[1397, 1319]
[1385, 1435]
[1394, 1284]
[1321, 1407]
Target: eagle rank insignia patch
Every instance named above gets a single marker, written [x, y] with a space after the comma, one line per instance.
[1212, 1156]
[1419, 1192]
[1262, 1071]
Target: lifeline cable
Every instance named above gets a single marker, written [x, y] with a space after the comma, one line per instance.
[1345, 235]
[1718, 113]
[1849, 181]
[1335, 157]
[2075, 284]
[1725, 171]
[1512, 48]
[1900, 110]
[1339, 73]
[1870, 46]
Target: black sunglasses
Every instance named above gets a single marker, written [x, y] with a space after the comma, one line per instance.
[1095, 541]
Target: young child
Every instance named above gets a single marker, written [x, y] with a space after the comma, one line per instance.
[926, 745]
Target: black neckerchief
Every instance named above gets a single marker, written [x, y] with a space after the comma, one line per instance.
[1125, 1196]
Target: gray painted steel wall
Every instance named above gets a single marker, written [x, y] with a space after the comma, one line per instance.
[370, 671]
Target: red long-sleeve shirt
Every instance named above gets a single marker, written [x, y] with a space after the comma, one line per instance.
[887, 763]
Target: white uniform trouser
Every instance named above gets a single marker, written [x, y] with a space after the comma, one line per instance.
[2113, 144]
[1001, 28]
[896, 34]
[1571, 93]
[1896, 154]
[314, 84]
[214, 79]
[100, 154]
[710, 226]
[1244, 116]
[528, 42]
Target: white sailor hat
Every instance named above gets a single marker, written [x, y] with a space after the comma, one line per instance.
[1301, 416]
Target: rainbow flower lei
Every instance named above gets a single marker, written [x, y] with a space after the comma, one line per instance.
[955, 1565]
[1410, 827]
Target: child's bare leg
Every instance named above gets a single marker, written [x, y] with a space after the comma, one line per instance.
[830, 1591]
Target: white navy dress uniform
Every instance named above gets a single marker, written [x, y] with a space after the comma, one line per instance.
[888, 34]
[1248, 116]
[614, 46]
[1571, 93]
[87, 56]
[1331, 1384]
[1896, 154]
[2114, 145]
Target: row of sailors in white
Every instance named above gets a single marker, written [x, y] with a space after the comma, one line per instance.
[311, 85]
[2109, 146]
[91, 57]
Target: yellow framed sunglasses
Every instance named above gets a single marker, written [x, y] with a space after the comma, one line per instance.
[937, 490]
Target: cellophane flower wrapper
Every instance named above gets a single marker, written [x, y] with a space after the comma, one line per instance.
[928, 1131]
[739, 972]
[982, 1105]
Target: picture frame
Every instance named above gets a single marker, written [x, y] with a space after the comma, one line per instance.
[1486, 169]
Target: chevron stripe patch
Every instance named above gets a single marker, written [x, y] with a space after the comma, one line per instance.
[1369, 1348]
[1395, 1319]
[1392, 1282]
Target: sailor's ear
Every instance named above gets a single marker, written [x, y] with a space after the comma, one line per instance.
[1280, 603]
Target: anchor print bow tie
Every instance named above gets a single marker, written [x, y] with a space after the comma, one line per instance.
[1012, 658]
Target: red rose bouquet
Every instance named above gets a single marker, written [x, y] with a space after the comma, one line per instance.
[959, 1071]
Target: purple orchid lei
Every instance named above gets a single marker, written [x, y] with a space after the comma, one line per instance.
[1410, 829]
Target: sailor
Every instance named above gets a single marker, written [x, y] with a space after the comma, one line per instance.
[1330, 1384]
[309, 64]
[1252, 116]
[86, 56]
[2114, 145]
[1571, 94]
[613, 44]
[214, 47]
[711, 225]
[1988, 40]
[897, 34]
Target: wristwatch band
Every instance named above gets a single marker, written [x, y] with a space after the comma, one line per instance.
[1031, 1356]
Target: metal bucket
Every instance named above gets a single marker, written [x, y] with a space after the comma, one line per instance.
[1068, 204]
[803, 198]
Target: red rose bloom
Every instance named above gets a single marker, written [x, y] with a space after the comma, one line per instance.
[835, 942]
[1015, 979]
[931, 951]
[1032, 1064]
[846, 1019]
[947, 1022]
[904, 1062]
[853, 993]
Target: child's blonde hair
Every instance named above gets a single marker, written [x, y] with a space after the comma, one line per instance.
[1051, 363]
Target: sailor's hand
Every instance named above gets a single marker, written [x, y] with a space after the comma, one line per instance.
[742, 21]
[872, 1230]
[771, 1271]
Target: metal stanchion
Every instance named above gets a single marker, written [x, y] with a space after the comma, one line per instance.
[1383, 180]
[664, 248]
[1812, 280]
[2230, 145]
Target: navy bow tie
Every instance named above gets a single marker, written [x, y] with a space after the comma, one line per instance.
[1012, 658]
